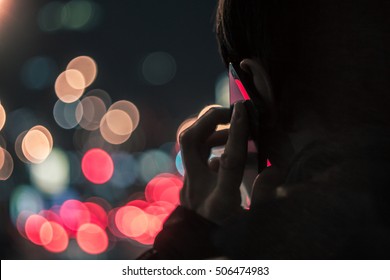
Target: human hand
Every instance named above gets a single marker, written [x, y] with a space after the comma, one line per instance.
[212, 189]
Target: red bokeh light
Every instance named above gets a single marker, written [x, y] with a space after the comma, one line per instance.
[74, 214]
[97, 166]
[164, 187]
[60, 239]
[92, 239]
[131, 221]
[98, 214]
[33, 227]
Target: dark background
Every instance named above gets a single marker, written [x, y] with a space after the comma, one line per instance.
[121, 35]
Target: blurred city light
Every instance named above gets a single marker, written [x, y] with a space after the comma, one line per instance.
[179, 163]
[93, 109]
[74, 214]
[154, 162]
[84, 65]
[222, 90]
[53, 175]
[6, 164]
[60, 239]
[126, 170]
[97, 166]
[92, 239]
[49, 17]
[70, 85]
[80, 15]
[37, 144]
[159, 68]
[68, 115]
[3, 116]
[39, 72]
[33, 228]
[54, 202]
[119, 122]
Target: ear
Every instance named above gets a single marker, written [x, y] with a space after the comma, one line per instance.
[262, 85]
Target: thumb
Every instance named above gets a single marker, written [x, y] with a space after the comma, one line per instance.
[265, 185]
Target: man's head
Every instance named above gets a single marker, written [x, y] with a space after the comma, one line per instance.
[327, 62]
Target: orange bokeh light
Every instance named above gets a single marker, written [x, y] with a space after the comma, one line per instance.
[6, 164]
[3, 117]
[130, 109]
[86, 66]
[70, 86]
[36, 145]
[18, 147]
[110, 123]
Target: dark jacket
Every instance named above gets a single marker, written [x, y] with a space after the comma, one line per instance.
[333, 205]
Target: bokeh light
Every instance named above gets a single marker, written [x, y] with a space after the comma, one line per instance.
[74, 214]
[52, 176]
[164, 187]
[76, 14]
[126, 170]
[70, 85]
[18, 147]
[33, 228]
[49, 17]
[159, 68]
[84, 65]
[93, 109]
[25, 199]
[101, 94]
[60, 239]
[131, 221]
[92, 239]
[97, 166]
[154, 162]
[114, 125]
[37, 144]
[179, 163]
[3, 117]
[80, 15]
[39, 72]
[119, 122]
[67, 115]
[222, 90]
[130, 109]
[98, 214]
[6, 164]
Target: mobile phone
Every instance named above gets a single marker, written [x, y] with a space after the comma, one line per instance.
[238, 92]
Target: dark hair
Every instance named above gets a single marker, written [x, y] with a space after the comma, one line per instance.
[326, 57]
[240, 29]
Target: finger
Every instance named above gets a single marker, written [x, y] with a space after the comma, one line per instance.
[193, 140]
[232, 162]
[265, 185]
[214, 164]
[217, 140]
